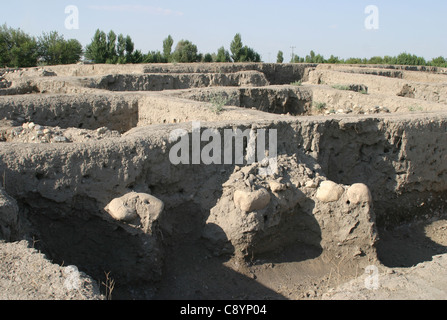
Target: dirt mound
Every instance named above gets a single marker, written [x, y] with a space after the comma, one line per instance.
[26, 274]
[32, 133]
[263, 214]
[425, 281]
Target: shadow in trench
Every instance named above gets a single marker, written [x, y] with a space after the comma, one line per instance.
[407, 245]
[192, 272]
[189, 270]
[103, 250]
[367, 152]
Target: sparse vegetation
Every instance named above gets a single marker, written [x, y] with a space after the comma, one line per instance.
[109, 285]
[415, 108]
[218, 101]
[341, 87]
[159, 141]
[297, 83]
[363, 91]
[356, 88]
[319, 106]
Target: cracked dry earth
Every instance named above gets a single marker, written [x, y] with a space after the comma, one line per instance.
[92, 207]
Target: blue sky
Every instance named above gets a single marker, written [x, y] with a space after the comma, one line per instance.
[325, 26]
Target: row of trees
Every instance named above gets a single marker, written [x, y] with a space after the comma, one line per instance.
[401, 59]
[18, 49]
[112, 49]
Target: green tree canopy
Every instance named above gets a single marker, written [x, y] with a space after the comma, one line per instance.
[409, 59]
[333, 59]
[112, 49]
[241, 53]
[97, 49]
[223, 55]
[236, 47]
[17, 49]
[130, 47]
[167, 47]
[314, 58]
[185, 52]
[439, 62]
[138, 56]
[296, 59]
[121, 48]
[154, 57]
[280, 57]
[208, 57]
[54, 49]
[249, 55]
[112, 56]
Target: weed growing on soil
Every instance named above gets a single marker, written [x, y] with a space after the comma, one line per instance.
[415, 108]
[349, 88]
[297, 83]
[363, 91]
[320, 106]
[218, 101]
[109, 286]
[341, 87]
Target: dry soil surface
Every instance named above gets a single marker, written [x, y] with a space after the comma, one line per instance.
[83, 107]
[26, 274]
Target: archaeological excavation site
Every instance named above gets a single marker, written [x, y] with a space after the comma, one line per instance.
[92, 205]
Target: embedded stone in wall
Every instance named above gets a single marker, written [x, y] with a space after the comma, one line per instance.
[359, 193]
[136, 208]
[251, 201]
[329, 191]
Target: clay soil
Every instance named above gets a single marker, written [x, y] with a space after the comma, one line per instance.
[303, 273]
[55, 110]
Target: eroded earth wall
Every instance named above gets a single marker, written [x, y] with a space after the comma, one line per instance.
[74, 182]
[115, 200]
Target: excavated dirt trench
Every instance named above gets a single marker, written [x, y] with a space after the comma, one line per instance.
[298, 249]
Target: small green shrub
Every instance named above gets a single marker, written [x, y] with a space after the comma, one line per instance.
[297, 83]
[356, 88]
[320, 106]
[218, 101]
[363, 91]
[341, 87]
[415, 108]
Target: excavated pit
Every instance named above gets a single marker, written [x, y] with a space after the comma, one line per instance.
[116, 142]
